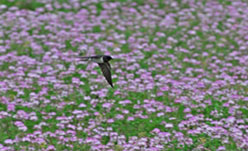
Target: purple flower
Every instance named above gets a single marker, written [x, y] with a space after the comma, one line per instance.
[20, 126]
[110, 120]
[169, 125]
[130, 118]
[119, 116]
[8, 141]
[82, 105]
[107, 105]
[221, 148]
[11, 107]
[156, 130]
[50, 148]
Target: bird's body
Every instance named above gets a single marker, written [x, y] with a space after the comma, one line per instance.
[103, 62]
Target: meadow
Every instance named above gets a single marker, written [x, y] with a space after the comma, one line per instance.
[180, 75]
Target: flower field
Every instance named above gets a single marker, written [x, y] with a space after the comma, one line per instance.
[180, 75]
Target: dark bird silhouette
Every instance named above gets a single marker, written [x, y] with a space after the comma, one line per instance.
[103, 62]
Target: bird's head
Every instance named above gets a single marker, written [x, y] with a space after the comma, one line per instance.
[107, 58]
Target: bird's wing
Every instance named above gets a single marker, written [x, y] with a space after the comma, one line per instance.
[85, 58]
[96, 59]
[106, 70]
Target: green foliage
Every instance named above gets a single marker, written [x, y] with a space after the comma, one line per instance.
[23, 4]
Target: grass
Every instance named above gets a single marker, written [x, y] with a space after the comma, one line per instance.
[22, 4]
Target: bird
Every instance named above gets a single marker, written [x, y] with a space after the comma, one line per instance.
[103, 62]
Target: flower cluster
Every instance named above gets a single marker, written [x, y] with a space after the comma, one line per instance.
[179, 73]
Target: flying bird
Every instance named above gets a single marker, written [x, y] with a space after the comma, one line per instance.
[103, 62]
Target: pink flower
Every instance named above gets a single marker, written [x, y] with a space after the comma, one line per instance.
[221, 148]
[168, 125]
[119, 116]
[186, 110]
[11, 107]
[110, 121]
[160, 114]
[130, 118]
[82, 105]
[50, 147]
[107, 105]
[8, 141]
[156, 130]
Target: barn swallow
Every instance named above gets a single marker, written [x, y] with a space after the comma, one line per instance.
[103, 62]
